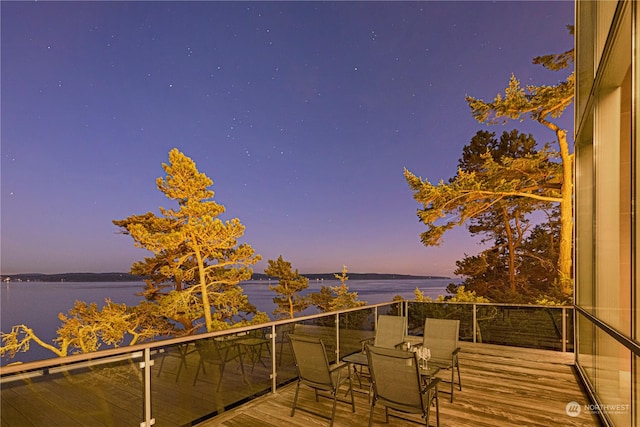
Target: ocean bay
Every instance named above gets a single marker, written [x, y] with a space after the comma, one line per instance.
[37, 304]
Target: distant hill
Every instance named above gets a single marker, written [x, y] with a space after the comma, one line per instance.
[73, 277]
[356, 276]
[126, 277]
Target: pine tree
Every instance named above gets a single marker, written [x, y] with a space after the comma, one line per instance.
[332, 298]
[194, 250]
[288, 300]
[543, 176]
[542, 104]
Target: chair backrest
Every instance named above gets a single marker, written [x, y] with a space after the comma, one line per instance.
[208, 349]
[396, 378]
[311, 361]
[441, 337]
[213, 350]
[391, 331]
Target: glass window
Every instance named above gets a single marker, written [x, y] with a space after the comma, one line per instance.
[584, 65]
[613, 378]
[586, 346]
[584, 217]
[612, 151]
[605, 9]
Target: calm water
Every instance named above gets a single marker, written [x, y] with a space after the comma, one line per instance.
[37, 304]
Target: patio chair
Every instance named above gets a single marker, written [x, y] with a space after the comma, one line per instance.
[282, 336]
[390, 332]
[315, 372]
[398, 385]
[218, 352]
[441, 338]
[180, 351]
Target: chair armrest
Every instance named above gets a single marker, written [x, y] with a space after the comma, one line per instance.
[337, 366]
[415, 341]
[456, 351]
[432, 384]
[365, 341]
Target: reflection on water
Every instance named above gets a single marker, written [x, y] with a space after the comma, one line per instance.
[37, 304]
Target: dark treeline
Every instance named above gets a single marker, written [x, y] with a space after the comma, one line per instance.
[356, 276]
[73, 277]
[126, 277]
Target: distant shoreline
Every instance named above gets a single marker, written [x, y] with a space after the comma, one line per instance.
[126, 277]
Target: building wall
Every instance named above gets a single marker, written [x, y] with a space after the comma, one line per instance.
[607, 224]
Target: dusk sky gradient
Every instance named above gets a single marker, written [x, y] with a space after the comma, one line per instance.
[303, 114]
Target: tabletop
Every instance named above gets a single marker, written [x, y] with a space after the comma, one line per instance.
[360, 358]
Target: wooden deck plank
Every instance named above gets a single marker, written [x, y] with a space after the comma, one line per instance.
[19, 411]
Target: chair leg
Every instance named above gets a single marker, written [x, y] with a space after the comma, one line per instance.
[244, 376]
[284, 338]
[437, 408]
[161, 363]
[353, 402]
[373, 404]
[180, 370]
[200, 366]
[295, 399]
[452, 382]
[459, 380]
[333, 411]
[220, 379]
[260, 354]
[358, 375]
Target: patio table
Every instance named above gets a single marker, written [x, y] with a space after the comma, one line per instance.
[359, 359]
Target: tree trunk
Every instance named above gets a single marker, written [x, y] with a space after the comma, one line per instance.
[206, 305]
[566, 214]
[290, 307]
[511, 249]
[565, 251]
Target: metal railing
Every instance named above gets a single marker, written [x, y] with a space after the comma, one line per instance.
[186, 380]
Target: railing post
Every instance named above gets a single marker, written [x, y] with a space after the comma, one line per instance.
[337, 337]
[274, 372]
[564, 329]
[405, 305]
[475, 319]
[146, 371]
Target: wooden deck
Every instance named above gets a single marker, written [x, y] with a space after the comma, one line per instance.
[501, 386]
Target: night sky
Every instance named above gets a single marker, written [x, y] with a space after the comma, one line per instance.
[302, 113]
